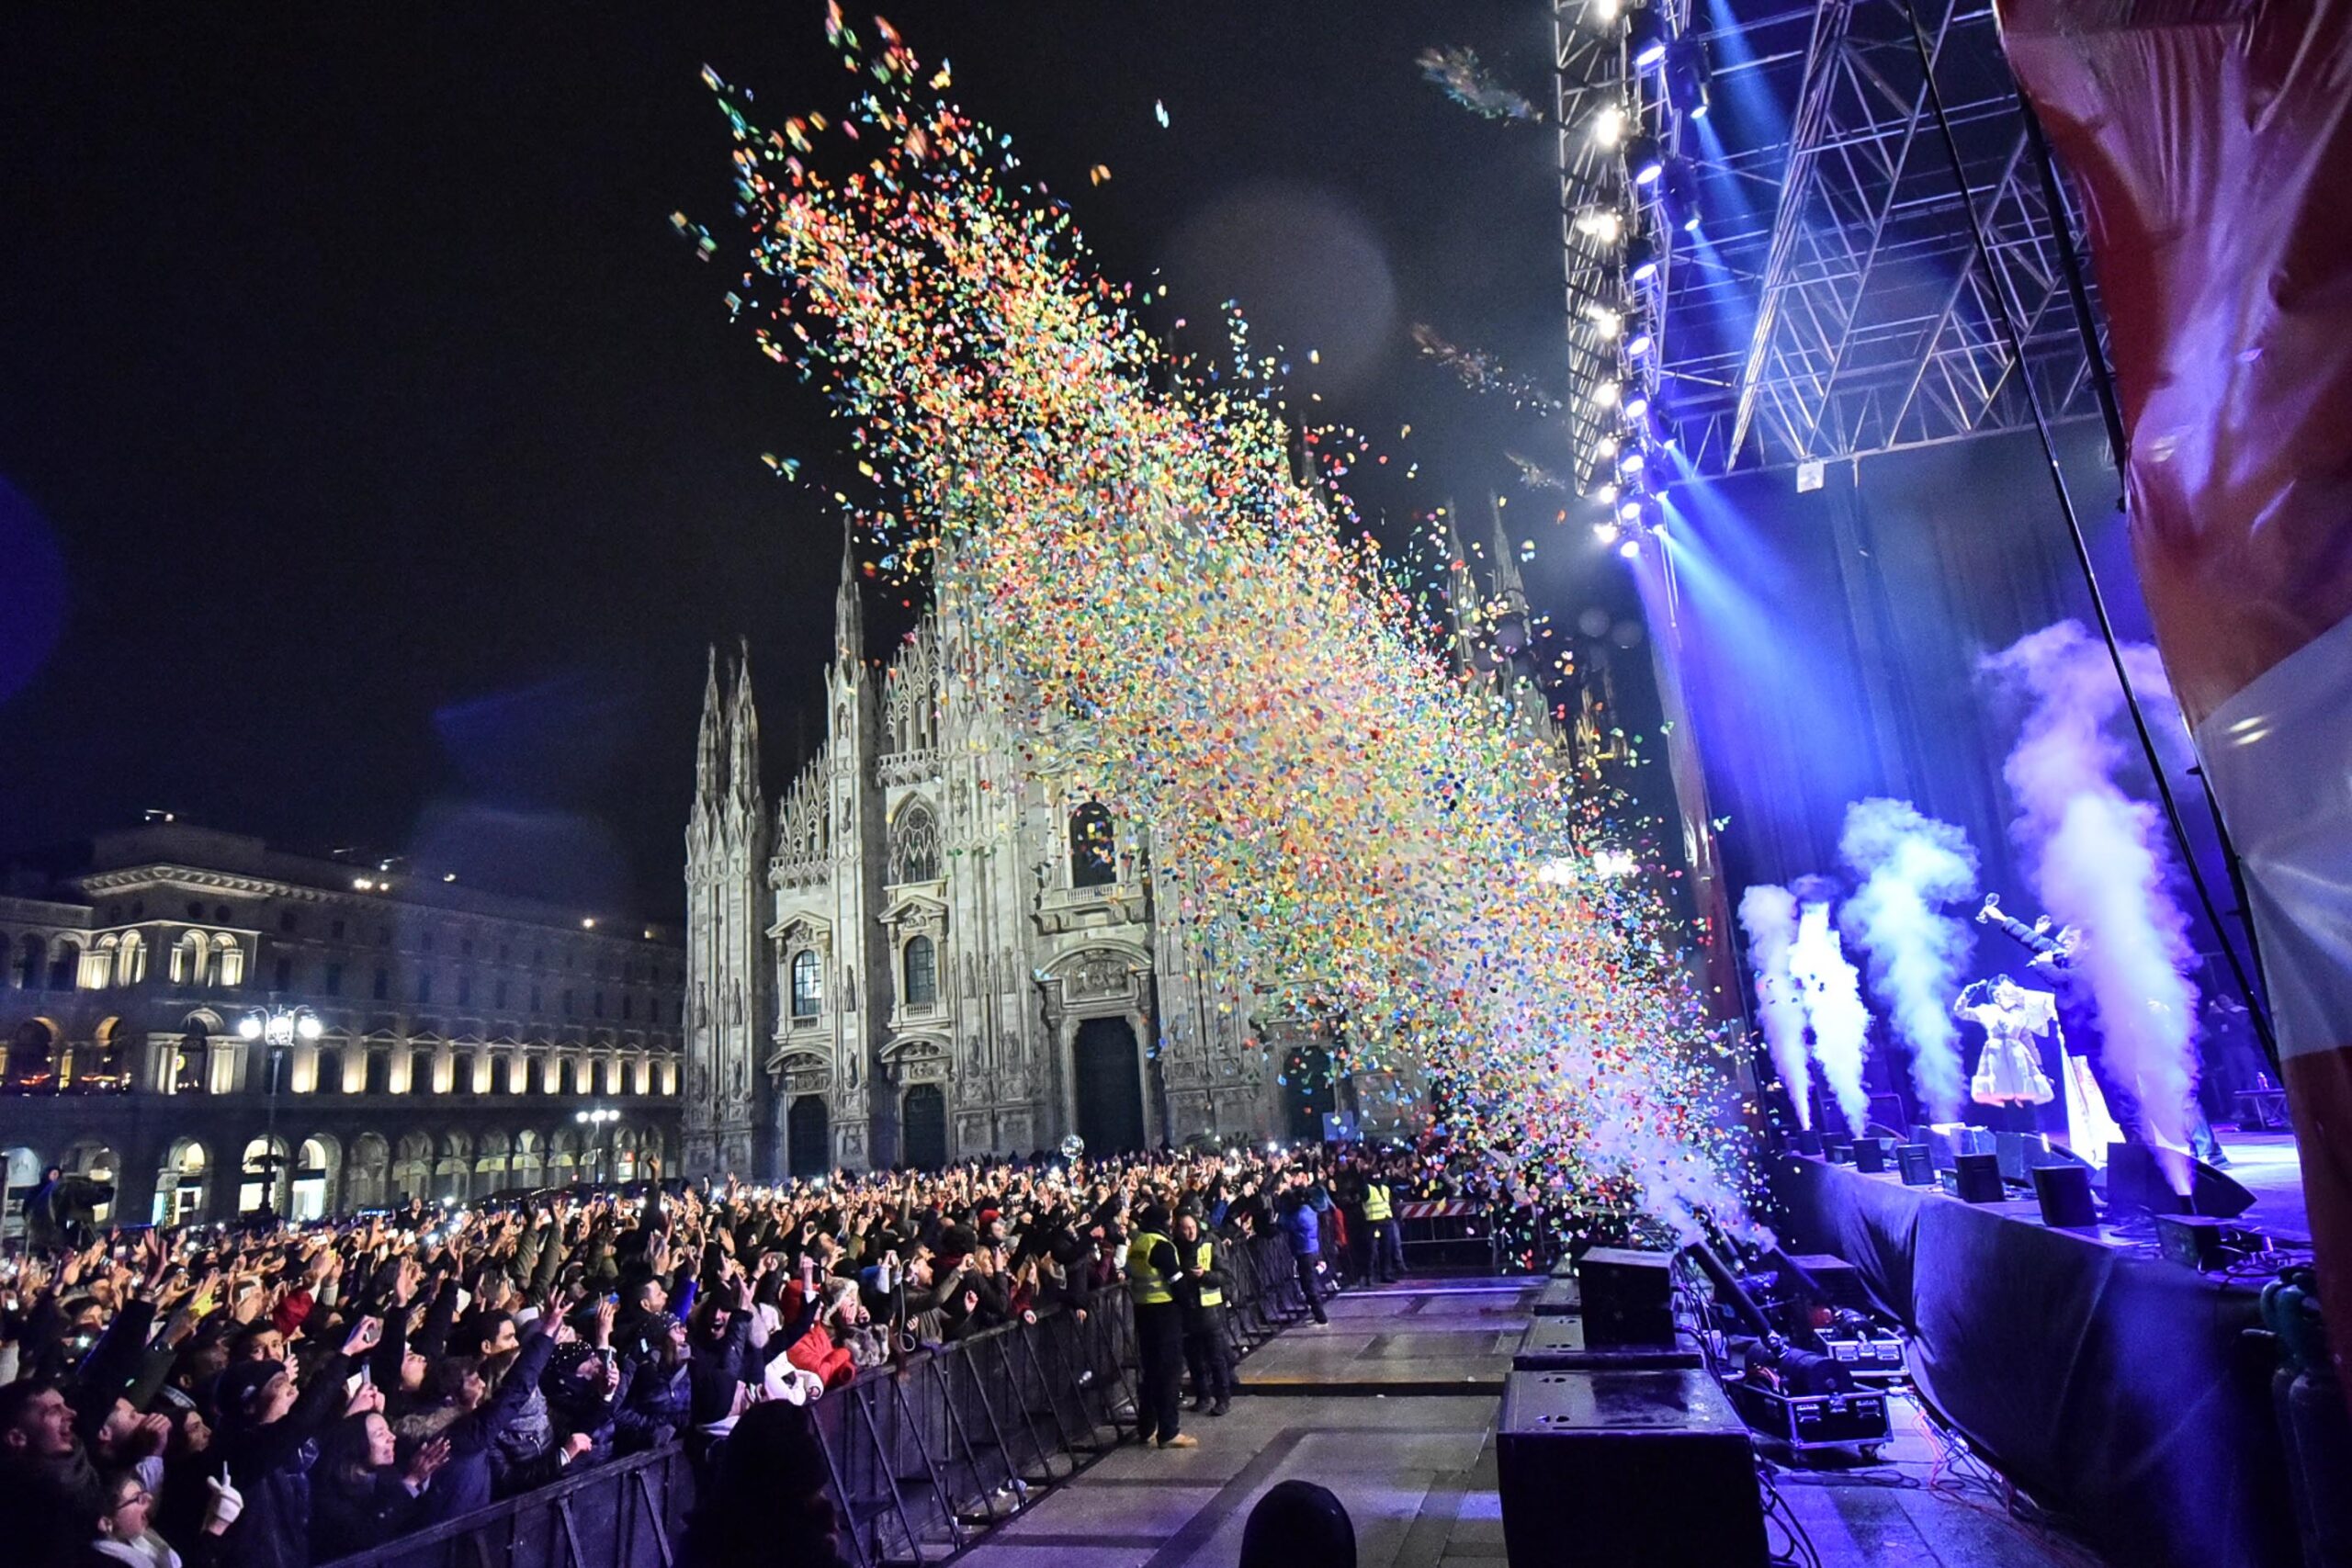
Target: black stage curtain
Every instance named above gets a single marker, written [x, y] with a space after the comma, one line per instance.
[2112, 1387]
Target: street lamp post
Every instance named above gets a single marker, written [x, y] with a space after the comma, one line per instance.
[595, 1120]
[277, 1028]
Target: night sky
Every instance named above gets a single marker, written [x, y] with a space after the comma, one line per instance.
[376, 462]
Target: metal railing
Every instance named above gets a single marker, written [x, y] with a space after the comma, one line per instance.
[924, 1457]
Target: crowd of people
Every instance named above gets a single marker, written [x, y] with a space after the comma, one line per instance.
[268, 1396]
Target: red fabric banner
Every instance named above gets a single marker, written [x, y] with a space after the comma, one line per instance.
[2212, 142]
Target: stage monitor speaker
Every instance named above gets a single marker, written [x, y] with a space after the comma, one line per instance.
[1918, 1163]
[1976, 1178]
[1604, 1469]
[2066, 1194]
[1628, 1296]
[2134, 1181]
[1838, 1151]
[1870, 1155]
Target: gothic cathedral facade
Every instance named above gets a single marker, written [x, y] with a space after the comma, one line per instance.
[923, 955]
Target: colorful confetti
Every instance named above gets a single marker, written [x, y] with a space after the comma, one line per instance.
[1466, 82]
[1125, 557]
[1482, 372]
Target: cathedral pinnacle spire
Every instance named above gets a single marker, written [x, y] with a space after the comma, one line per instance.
[744, 736]
[1509, 586]
[711, 761]
[849, 614]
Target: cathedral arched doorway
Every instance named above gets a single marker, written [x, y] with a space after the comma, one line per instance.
[809, 1135]
[1109, 1079]
[923, 1127]
[1308, 1094]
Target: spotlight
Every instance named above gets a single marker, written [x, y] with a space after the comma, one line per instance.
[1645, 38]
[1641, 260]
[1605, 395]
[1631, 462]
[1606, 11]
[1609, 125]
[1605, 532]
[1644, 162]
[1680, 195]
[1639, 345]
[1637, 403]
[1687, 77]
[1607, 322]
[1630, 548]
[1605, 224]
[1630, 509]
[1604, 493]
[1604, 449]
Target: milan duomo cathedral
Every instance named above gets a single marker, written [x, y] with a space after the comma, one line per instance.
[922, 953]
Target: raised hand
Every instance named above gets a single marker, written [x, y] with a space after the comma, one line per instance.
[427, 1460]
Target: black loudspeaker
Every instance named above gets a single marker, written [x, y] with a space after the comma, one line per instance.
[1608, 1469]
[1977, 1178]
[1918, 1163]
[2134, 1181]
[2066, 1194]
[1838, 1281]
[1628, 1296]
[1870, 1155]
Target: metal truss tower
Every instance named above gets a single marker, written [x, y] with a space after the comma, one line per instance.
[1829, 301]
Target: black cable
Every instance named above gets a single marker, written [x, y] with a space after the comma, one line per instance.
[2005, 310]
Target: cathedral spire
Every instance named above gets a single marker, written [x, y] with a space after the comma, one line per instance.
[849, 614]
[711, 761]
[1464, 602]
[743, 731]
[1509, 586]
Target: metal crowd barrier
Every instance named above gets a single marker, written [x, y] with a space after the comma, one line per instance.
[925, 1457]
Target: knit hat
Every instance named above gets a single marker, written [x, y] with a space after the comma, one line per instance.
[241, 1384]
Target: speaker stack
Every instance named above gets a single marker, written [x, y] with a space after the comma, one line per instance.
[1615, 1444]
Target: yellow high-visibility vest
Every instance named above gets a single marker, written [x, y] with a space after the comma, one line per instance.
[1146, 1284]
[1210, 1295]
[1376, 1200]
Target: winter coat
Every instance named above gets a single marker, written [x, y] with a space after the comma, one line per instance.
[468, 1480]
[1302, 1230]
[270, 1466]
[350, 1517]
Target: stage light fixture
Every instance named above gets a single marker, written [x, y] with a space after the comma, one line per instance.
[1687, 77]
[1641, 260]
[1605, 224]
[1637, 403]
[1605, 494]
[1645, 160]
[1604, 449]
[1606, 11]
[1605, 532]
[1630, 548]
[1630, 509]
[1609, 125]
[1606, 394]
[1646, 36]
[1640, 343]
[1607, 322]
[1679, 195]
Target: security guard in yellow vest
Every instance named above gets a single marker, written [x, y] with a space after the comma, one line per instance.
[1207, 1352]
[1384, 1237]
[1155, 1274]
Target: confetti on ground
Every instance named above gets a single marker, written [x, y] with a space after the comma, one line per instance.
[1125, 559]
[1467, 81]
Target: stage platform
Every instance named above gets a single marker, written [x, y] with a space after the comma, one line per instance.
[1371, 1407]
[2112, 1385]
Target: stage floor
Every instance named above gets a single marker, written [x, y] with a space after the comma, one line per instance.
[2267, 1165]
[1375, 1408]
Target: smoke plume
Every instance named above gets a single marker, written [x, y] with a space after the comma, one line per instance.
[2094, 857]
[1910, 866]
[1768, 915]
[1833, 1003]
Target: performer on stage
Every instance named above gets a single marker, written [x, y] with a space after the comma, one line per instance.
[2100, 1109]
[2009, 1072]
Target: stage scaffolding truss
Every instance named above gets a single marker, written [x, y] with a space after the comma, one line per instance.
[1813, 289]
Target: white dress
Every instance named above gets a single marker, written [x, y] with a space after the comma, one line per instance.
[2009, 1070]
